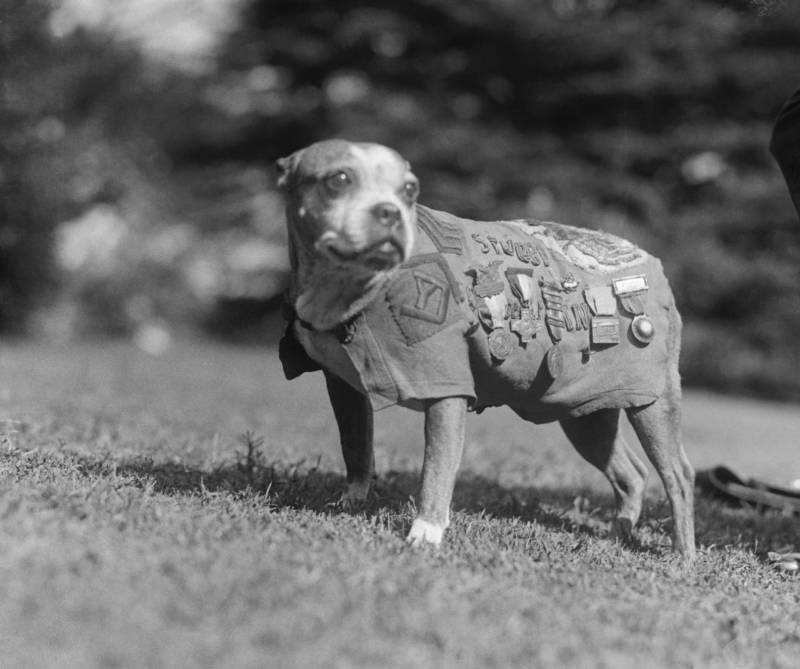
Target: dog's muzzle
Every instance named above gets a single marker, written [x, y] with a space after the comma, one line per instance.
[381, 255]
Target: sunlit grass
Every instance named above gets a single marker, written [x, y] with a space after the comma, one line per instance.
[180, 512]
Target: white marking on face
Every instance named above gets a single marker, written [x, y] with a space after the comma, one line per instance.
[381, 175]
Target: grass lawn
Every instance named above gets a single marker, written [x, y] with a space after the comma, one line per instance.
[135, 531]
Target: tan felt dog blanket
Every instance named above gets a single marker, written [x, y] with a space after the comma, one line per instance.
[548, 319]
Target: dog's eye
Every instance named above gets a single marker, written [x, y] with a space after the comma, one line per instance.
[411, 190]
[337, 181]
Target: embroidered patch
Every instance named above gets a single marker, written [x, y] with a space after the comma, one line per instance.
[421, 298]
[446, 235]
[525, 251]
[590, 250]
[433, 296]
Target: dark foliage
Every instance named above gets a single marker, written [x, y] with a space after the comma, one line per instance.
[650, 119]
[25, 232]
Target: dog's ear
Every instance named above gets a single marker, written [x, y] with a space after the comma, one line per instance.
[286, 167]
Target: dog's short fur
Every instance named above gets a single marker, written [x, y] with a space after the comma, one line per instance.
[360, 247]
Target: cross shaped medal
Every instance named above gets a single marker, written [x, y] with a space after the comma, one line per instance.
[526, 327]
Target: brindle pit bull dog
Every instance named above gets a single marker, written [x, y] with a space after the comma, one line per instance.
[401, 304]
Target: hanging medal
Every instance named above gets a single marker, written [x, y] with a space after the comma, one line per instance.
[632, 291]
[489, 288]
[527, 325]
[555, 362]
[556, 324]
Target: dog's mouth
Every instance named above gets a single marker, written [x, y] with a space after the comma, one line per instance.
[382, 255]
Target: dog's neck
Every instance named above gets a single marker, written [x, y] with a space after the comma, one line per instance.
[325, 295]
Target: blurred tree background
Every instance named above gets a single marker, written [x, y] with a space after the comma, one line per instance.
[136, 192]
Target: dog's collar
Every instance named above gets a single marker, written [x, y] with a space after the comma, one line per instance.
[344, 332]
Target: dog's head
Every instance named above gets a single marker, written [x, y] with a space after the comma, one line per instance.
[351, 203]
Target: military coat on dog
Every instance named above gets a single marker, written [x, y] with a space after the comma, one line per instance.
[551, 320]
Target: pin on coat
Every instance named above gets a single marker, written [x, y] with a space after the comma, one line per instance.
[401, 304]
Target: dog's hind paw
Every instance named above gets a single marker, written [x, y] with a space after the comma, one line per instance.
[622, 531]
[424, 533]
[355, 494]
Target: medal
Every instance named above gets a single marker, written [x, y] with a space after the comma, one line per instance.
[501, 343]
[489, 288]
[570, 283]
[642, 329]
[487, 280]
[527, 325]
[555, 362]
[631, 291]
[497, 308]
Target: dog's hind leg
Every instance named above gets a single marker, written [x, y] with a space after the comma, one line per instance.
[354, 418]
[658, 427]
[598, 439]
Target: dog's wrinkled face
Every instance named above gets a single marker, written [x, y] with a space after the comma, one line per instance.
[352, 203]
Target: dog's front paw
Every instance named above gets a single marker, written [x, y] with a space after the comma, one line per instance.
[422, 532]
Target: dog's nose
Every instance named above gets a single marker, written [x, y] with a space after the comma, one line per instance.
[387, 214]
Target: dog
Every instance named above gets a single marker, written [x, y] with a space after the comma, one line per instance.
[400, 304]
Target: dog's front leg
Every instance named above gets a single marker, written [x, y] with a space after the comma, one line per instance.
[354, 418]
[444, 442]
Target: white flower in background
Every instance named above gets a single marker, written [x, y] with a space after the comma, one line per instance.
[92, 242]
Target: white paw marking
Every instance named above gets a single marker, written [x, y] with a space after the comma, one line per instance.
[422, 532]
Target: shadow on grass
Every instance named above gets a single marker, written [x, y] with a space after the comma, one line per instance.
[304, 486]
